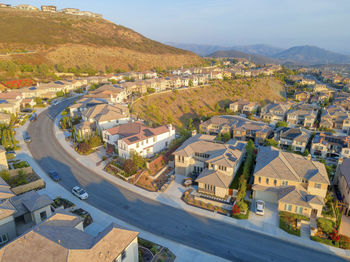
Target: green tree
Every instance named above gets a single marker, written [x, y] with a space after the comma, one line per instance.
[59, 93]
[226, 137]
[271, 142]
[190, 83]
[217, 107]
[282, 123]
[138, 159]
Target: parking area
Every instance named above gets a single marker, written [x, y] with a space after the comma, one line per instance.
[270, 214]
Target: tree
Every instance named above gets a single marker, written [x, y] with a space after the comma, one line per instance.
[281, 123]
[306, 152]
[190, 83]
[217, 107]
[129, 167]
[59, 93]
[95, 141]
[271, 142]
[190, 124]
[137, 159]
[226, 137]
[84, 148]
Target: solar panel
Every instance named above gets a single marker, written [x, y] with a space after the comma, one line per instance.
[133, 139]
[148, 133]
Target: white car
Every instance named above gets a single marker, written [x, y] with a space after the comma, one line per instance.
[79, 192]
[260, 207]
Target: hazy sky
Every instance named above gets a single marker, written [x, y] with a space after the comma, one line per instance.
[282, 23]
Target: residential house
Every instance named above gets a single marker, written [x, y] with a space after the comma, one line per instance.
[342, 179]
[27, 103]
[274, 112]
[215, 163]
[11, 106]
[84, 104]
[302, 96]
[244, 106]
[136, 137]
[303, 115]
[27, 7]
[342, 101]
[15, 95]
[111, 93]
[335, 117]
[48, 8]
[61, 238]
[238, 127]
[106, 116]
[19, 213]
[328, 145]
[3, 159]
[296, 183]
[71, 11]
[295, 139]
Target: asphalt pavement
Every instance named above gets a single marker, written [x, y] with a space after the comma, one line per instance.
[212, 236]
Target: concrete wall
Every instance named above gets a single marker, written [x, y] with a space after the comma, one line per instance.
[8, 226]
[28, 187]
[3, 161]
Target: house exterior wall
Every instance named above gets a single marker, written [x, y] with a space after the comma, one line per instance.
[131, 253]
[8, 226]
[36, 214]
[3, 161]
[282, 207]
[344, 190]
[312, 190]
[109, 124]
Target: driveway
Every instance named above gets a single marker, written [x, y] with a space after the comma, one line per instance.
[270, 216]
[345, 226]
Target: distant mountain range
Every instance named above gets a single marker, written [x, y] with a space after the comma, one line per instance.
[258, 59]
[261, 53]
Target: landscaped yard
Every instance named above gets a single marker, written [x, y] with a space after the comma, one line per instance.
[149, 251]
[289, 222]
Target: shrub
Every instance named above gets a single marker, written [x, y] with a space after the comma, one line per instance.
[95, 141]
[324, 241]
[242, 206]
[129, 167]
[326, 225]
[84, 148]
[5, 175]
[284, 225]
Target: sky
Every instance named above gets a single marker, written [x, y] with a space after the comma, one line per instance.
[280, 23]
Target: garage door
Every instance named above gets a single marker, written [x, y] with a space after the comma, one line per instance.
[267, 196]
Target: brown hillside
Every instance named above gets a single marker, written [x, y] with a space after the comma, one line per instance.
[177, 107]
[76, 40]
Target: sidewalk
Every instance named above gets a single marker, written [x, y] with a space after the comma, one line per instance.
[101, 219]
[172, 197]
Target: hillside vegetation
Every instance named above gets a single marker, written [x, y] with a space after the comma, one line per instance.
[70, 40]
[177, 107]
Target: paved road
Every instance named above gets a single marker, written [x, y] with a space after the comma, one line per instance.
[212, 236]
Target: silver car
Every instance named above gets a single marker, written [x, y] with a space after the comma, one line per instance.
[79, 192]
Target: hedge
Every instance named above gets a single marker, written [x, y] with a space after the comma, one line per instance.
[288, 228]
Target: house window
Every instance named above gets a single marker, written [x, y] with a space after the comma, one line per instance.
[288, 207]
[284, 183]
[318, 186]
[43, 215]
[275, 182]
[267, 181]
[298, 210]
[123, 255]
[4, 238]
[259, 179]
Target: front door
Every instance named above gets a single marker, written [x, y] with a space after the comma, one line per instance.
[314, 213]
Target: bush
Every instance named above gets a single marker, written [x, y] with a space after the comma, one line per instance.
[284, 225]
[5, 175]
[325, 241]
[95, 141]
[326, 225]
[84, 148]
[129, 167]
[293, 215]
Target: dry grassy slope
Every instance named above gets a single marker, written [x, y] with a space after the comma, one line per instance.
[178, 107]
[85, 40]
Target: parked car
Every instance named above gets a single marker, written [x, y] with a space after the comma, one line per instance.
[260, 207]
[33, 117]
[79, 192]
[27, 138]
[54, 175]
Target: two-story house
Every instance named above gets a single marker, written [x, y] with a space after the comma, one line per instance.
[274, 112]
[292, 138]
[244, 106]
[328, 145]
[303, 115]
[342, 179]
[139, 138]
[335, 117]
[215, 163]
[238, 127]
[296, 183]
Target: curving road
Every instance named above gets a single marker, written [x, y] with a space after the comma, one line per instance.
[212, 236]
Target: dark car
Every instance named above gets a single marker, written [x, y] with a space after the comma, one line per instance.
[54, 175]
